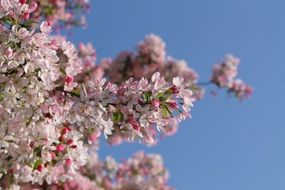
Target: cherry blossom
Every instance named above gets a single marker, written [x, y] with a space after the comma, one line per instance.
[141, 171]
[224, 76]
[56, 102]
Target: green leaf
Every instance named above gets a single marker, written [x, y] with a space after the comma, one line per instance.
[28, 23]
[165, 111]
[53, 162]
[162, 96]
[146, 96]
[118, 117]
[38, 151]
[159, 95]
[62, 70]
[76, 92]
[1, 97]
[37, 163]
[169, 111]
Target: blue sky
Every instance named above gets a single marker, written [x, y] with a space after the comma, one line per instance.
[227, 145]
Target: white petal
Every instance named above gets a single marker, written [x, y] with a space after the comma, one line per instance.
[177, 81]
[155, 76]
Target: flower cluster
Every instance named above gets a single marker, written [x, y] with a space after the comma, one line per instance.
[35, 135]
[63, 13]
[240, 89]
[175, 67]
[225, 72]
[140, 172]
[224, 76]
[149, 58]
[141, 107]
[143, 172]
[54, 104]
[16, 10]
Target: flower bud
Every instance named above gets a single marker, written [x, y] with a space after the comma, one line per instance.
[68, 80]
[60, 148]
[40, 168]
[155, 104]
[69, 141]
[173, 105]
[26, 15]
[174, 89]
[68, 162]
[22, 1]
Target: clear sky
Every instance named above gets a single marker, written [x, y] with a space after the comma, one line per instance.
[227, 145]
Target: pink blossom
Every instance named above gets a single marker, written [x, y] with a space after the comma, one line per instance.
[55, 102]
[240, 89]
[224, 76]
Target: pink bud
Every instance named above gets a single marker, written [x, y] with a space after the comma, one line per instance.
[60, 148]
[22, 1]
[174, 89]
[93, 137]
[173, 105]
[52, 155]
[26, 15]
[68, 80]
[68, 162]
[155, 104]
[49, 23]
[32, 144]
[40, 168]
[64, 131]
[136, 127]
[61, 138]
[69, 141]
[33, 6]
[134, 123]
[140, 101]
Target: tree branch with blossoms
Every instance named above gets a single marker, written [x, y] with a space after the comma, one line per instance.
[55, 102]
